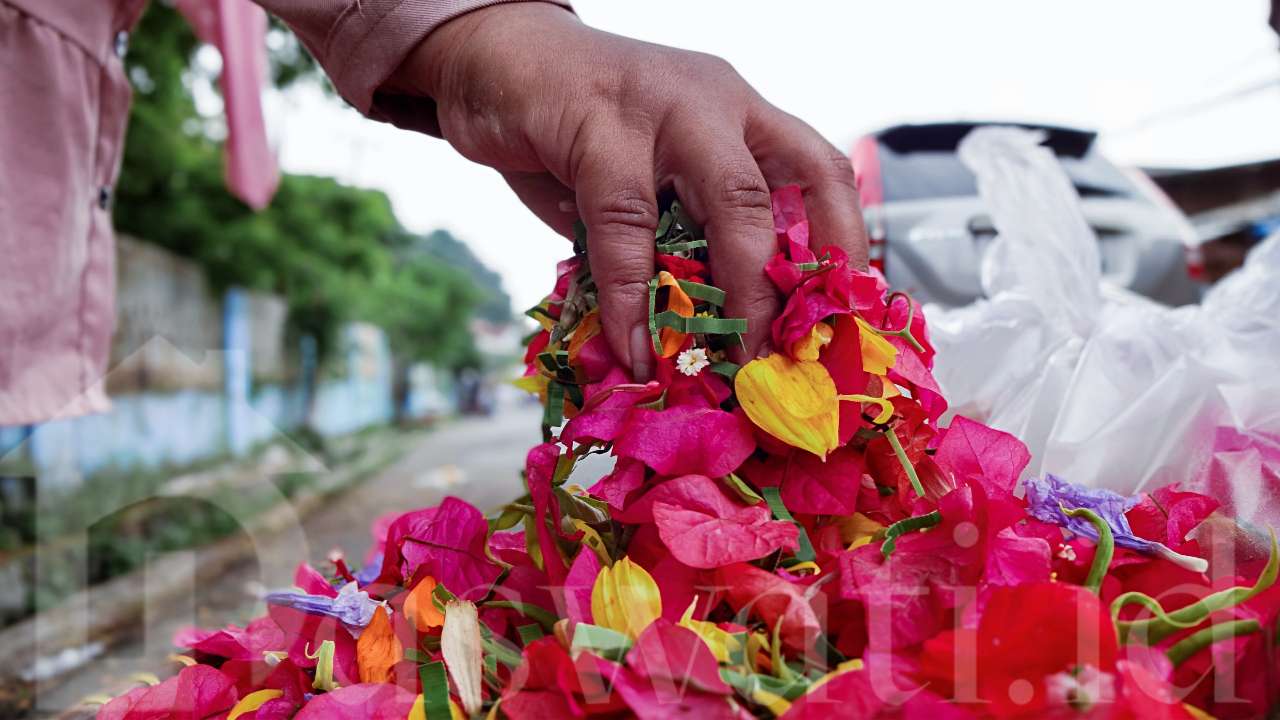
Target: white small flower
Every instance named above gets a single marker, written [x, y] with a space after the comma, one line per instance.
[692, 361]
[1067, 553]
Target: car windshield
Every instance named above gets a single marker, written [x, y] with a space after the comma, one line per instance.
[920, 167]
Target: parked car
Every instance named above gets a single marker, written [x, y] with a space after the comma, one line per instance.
[928, 228]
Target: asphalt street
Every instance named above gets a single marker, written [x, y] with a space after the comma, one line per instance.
[476, 459]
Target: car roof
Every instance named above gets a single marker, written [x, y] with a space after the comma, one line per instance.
[944, 137]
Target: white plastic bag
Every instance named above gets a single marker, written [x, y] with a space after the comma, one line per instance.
[1107, 388]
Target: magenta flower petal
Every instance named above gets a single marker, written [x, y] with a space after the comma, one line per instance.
[199, 691]
[809, 485]
[578, 584]
[683, 440]
[448, 542]
[364, 701]
[703, 540]
[668, 653]
[973, 451]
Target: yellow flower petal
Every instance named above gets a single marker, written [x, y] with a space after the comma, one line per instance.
[587, 328]
[857, 529]
[722, 643]
[625, 598]
[775, 704]
[252, 702]
[810, 347]
[848, 666]
[795, 402]
[533, 384]
[877, 354]
[419, 710]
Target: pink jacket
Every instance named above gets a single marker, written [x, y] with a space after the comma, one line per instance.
[64, 101]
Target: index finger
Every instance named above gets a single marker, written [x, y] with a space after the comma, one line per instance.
[792, 153]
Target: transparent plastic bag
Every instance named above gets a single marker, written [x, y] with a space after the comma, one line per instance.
[1105, 387]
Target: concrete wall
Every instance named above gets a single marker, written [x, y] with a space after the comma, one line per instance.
[195, 375]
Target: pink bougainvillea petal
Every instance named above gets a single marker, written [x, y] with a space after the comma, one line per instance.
[810, 485]
[364, 701]
[667, 652]
[973, 451]
[578, 584]
[680, 441]
[312, 582]
[702, 540]
[197, 692]
[451, 549]
[771, 598]
[616, 487]
[540, 466]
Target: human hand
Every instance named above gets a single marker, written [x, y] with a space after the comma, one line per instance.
[584, 123]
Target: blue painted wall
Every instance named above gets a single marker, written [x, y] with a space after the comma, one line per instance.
[153, 430]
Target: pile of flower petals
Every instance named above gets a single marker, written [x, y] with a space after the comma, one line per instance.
[796, 537]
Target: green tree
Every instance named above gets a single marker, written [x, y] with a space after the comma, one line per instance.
[336, 253]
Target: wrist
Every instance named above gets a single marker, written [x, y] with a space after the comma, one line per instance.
[431, 66]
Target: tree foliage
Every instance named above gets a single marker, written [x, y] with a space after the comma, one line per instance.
[336, 253]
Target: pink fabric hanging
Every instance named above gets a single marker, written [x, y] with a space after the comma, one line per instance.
[238, 29]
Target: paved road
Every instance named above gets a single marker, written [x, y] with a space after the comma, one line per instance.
[476, 459]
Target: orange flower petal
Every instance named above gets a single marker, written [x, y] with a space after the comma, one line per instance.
[419, 608]
[679, 302]
[378, 649]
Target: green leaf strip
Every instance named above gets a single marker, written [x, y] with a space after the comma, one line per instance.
[726, 369]
[902, 527]
[435, 691]
[706, 293]
[653, 320]
[701, 325]
[499, 648]
[675, 247]
[533, 612]
[529, 633]
[804, 553]
[553, 413]
[608, 644]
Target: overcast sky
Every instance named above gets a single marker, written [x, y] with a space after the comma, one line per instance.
[1144, 72]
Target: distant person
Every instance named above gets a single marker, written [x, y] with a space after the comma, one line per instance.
[578, 121]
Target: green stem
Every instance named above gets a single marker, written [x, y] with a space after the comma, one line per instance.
[1153, 630]
[1194, 643]
[1136, 598]
[905, 332]
[906, 463]
[1105, 551]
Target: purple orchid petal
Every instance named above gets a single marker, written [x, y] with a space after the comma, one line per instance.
[352, 607]
[1046, 499]
[370, 571]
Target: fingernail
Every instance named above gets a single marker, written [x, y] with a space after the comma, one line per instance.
[641, 354]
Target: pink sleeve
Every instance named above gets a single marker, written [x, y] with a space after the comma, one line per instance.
[360, 43]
